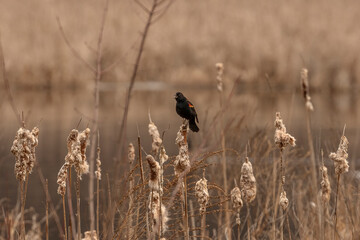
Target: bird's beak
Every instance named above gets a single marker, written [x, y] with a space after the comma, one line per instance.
[175, 96]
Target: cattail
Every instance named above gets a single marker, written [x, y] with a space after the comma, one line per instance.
[62, 178]
[180, 136]
[284, 202]
[340, 157]
[156, 139]
[220, 71]
[202, 194]
[154, 207]
[131, 153]
[247, 182]
[182, 160]
[325, 185]
[74, 152]
[98, 165]
[163, 156]
[305, 88]
[82, 166]
[90, 235]
[237, 202]
[282, 138]
[23, 149]
[154, 173]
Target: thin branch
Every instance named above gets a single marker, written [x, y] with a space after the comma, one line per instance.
[7, 85]
[122, 135]
[74, 52]
[142, 6]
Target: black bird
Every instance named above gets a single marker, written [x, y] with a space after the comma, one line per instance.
[186, 109]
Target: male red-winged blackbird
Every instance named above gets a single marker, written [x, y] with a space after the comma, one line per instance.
[186, 109]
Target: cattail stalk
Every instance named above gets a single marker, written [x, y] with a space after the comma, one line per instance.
[131, 157]
[341, 166]
[282, 140]
[23, 149]
[182, 166]
[98, 178]
[202, 194]
[248, 188]
[237, 204]
[309, 108]
[219, 79]
[64, 210]
[47, 210]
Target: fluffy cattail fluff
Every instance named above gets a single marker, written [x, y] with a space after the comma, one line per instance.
[202, 194]
[180, 139]
[154, 207]
[284, 202]
[82, 167]
[156, 139]
[163, 156]
[247, 182]
[62, 178]
[220, 71]
[282, 138]
[98, 165]
[74, 152]
[340, 157]
[182, 160]
[305, 88]
[131, 153]
[325, 185]
[237, 202]
[154, 173]
[23, 149]
[90, 235]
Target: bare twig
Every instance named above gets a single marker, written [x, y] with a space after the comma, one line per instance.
[74, 52]
[7, 85]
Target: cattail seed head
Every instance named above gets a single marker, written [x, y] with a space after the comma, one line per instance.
[154, 173]
[131, 153]
[23, 149]
[305, 87]
[247, 182]
[90, 235]
[236, 200]
[340, 157]
[154, 207]
[284, 202]
[163, 156]
[98, 165]
[81, 165]
[325, 185]
[62, 178]
[182, 160]
[220, 72]
[156, 139]
[180, 139]
[282, 138]
[202, 194]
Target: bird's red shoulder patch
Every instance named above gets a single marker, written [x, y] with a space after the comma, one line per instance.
[190, 105]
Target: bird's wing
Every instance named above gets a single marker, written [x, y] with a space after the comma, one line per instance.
[192, 110]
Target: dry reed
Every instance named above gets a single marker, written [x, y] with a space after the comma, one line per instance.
[341, 166]
[23, 148]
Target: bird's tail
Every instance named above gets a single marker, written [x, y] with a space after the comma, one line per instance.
[193, 126]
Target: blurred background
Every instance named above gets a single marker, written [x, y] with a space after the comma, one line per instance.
[262, 44]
